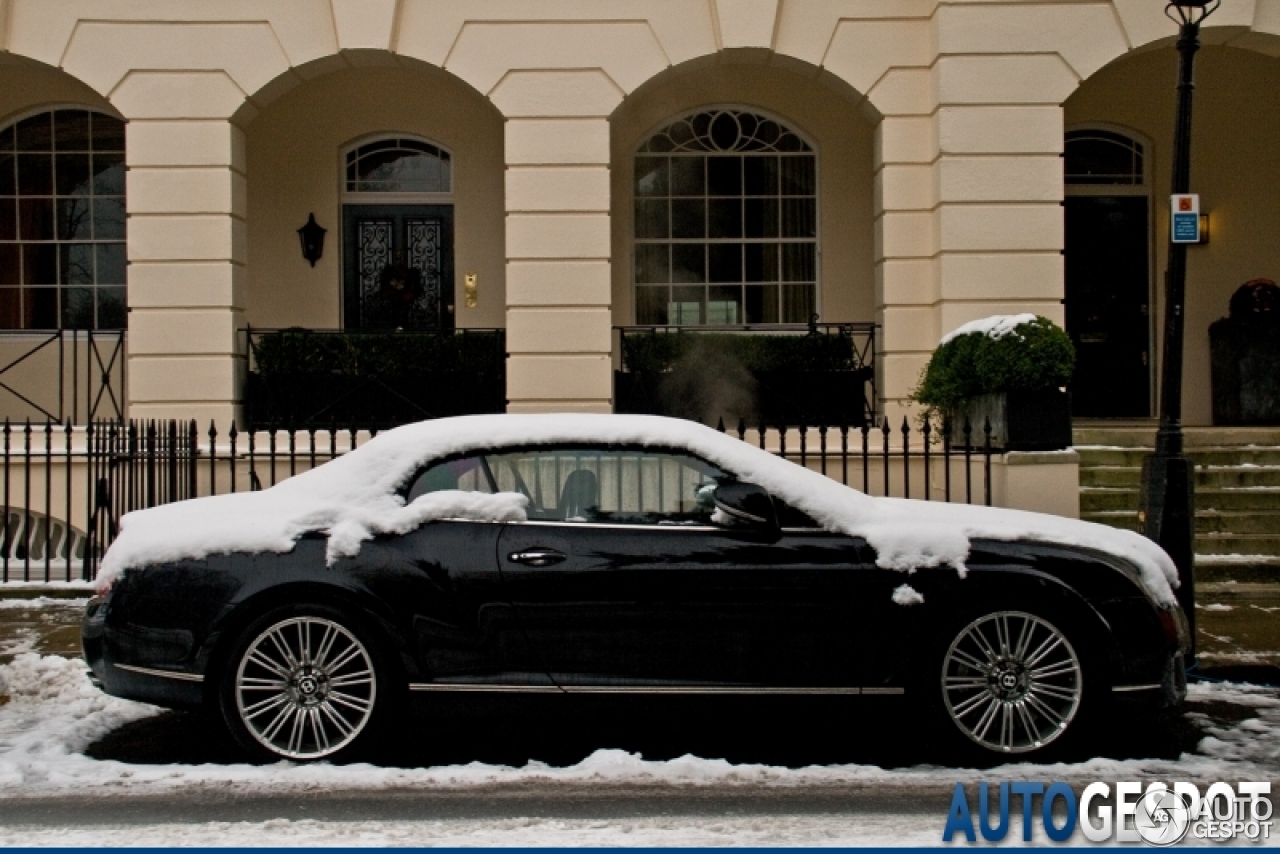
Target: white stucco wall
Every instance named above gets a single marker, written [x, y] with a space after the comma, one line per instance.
[965, 100]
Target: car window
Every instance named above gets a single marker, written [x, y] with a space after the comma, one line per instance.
[467, 474]
[616, 486]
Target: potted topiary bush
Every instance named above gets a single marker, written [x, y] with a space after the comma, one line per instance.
[1009, 369]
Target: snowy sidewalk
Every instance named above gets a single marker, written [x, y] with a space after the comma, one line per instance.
[162, 779]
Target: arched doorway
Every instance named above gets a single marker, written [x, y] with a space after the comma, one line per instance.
[397, 221]
[1107, 254]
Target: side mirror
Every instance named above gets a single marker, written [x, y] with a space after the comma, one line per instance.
[747, 505]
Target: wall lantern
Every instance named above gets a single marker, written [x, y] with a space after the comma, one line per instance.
[312, 237]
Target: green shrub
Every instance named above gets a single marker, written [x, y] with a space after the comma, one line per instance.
[299, 351]
[660, 352]
[1034, 356]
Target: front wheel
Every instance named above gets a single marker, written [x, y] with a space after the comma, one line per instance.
[1012, 682]
[301, 686]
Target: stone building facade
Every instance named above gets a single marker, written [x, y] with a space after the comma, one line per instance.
[913, 173]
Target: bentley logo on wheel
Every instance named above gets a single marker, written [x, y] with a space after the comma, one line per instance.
[1162, 818]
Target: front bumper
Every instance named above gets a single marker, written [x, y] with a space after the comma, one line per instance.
[122, 666]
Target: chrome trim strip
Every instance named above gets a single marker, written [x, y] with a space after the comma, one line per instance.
[551, 523]
[168, 674]
[697, 689]
[1122, 688]
[484, 688]
[635, 689]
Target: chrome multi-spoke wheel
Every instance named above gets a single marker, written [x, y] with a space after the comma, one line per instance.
[1011, 682]
[305, 688]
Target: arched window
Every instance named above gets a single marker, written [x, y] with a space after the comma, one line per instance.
[1102, 157]
[726, 222]
[62, 221]
[399, 165]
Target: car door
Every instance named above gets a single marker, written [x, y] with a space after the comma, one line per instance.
[621, 580]
[465, 630]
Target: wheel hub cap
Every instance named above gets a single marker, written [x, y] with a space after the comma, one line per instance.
[1011, 682]
[305, 688]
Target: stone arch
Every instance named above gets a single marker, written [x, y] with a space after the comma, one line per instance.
[292, 172]
[1234, 168]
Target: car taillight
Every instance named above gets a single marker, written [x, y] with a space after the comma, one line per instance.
[103, 587]
[1174, 625]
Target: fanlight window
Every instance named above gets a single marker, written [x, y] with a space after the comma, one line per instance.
[62, 222]
[1102, 157]
[399, 166]
[726, 213]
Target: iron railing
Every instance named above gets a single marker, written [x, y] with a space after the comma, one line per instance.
[65, 489]
[784, 373]
[62, 374]
[322, 378]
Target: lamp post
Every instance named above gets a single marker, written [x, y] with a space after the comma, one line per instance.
[1167, 513]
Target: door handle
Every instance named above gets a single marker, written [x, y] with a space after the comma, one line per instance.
[536, 557]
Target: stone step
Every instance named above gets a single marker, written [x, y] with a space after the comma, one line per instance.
[1241, 569]
[1215, 477]
[1207, 521]
[1108, 455]
[1238, 544]
[1255, 522]
[1192, 437]
[1263, 498]
[1126, 519]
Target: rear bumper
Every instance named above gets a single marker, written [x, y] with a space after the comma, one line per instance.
[1169, 692]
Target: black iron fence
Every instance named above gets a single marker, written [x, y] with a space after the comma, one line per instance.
[303, 378]
[65, 489]
[782, 373]
[75, 375]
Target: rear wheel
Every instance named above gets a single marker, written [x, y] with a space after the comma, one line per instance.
[1012, 682]
[302, 683]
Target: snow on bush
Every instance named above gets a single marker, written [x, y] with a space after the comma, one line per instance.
[907, 595]
[356, 496]
[995, 326]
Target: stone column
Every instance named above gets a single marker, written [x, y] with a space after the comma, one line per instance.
[187, 253]
[559, 335]
[905, 235]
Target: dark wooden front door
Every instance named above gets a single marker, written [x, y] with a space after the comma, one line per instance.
[1107, 305]
[397, 267]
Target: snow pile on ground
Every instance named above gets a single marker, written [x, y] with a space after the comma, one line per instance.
[356, 495]
[53, 714]
[995, 326]
[905, 594]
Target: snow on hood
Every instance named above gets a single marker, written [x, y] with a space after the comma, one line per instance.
[355, 497]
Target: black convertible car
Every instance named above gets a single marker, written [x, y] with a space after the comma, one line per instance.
[618, 555]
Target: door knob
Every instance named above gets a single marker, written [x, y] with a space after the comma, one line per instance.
[536, 557]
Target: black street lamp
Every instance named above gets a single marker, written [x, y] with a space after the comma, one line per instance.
[1167, 514]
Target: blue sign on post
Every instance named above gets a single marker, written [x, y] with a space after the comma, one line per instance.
[1185, 218]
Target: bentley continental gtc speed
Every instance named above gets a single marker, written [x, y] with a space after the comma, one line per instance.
[601, 555]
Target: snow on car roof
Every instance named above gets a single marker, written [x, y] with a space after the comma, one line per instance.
[355, 496]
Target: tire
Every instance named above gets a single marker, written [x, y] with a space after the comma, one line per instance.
[1012, 683]
[303, 683]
